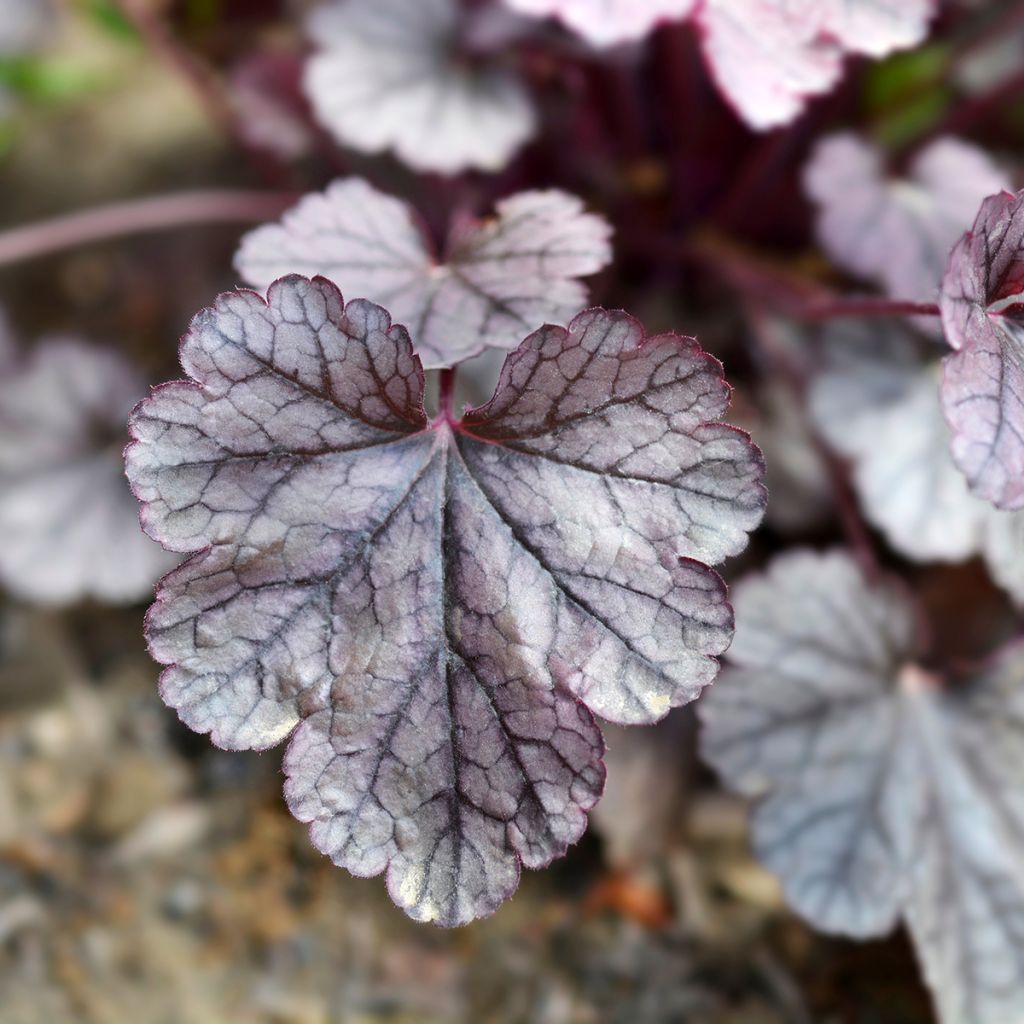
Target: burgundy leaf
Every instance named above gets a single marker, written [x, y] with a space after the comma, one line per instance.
[430, 608]
[68, 525]
[897, 233]
[393, 74]
[499, 279]
[983, 317]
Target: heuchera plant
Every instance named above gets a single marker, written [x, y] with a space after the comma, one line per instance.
[439, 609]
[435, 609]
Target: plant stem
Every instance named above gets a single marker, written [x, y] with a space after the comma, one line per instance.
[839, 307]
[137, 216]
[782, 289]
[205, 83]
[778, 359]
[446, 396]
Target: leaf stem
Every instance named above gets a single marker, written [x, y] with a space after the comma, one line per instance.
[446, 396]
[780, 360]
[866, 306]
[788, 292]
[205, 83]
[138, 216]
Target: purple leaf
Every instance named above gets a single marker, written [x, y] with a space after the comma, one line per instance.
[390, 74]
[607, 22]
[499, 279]
[897, 233]
[876, 401]
[430, 608]
[882, 793]
[983, 387]
[68, 525]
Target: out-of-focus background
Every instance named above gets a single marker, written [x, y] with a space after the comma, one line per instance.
[148, 878]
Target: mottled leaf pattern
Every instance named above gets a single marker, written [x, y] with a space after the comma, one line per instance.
[387, 74]
[499, 279]
[606, 22]
[68, 524]
[434, 609]
[983, 388]
[876, 401]
[882, 794]
[897, 233]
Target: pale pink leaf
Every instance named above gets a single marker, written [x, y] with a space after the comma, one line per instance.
[431, 608]
[897, 232]
[770, 56]
[874, 28]
[497, 280]
[607, 22]
[983, 389]
[68, 524]
[882, 794]
[390, 74]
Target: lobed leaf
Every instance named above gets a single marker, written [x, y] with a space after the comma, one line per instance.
[499, 279]
[68, 525]
[881, 794]
[876, 402]
[432, 610]
[897, 232]
[390, 74]
[984, 379]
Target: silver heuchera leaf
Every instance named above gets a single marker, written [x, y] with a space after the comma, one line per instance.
[897, 233]
[433, 610]
[876, 402]
[387, 74]
[881, 794]
[982, 296]
[68, 524]
[607, 22]
[497, 280]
